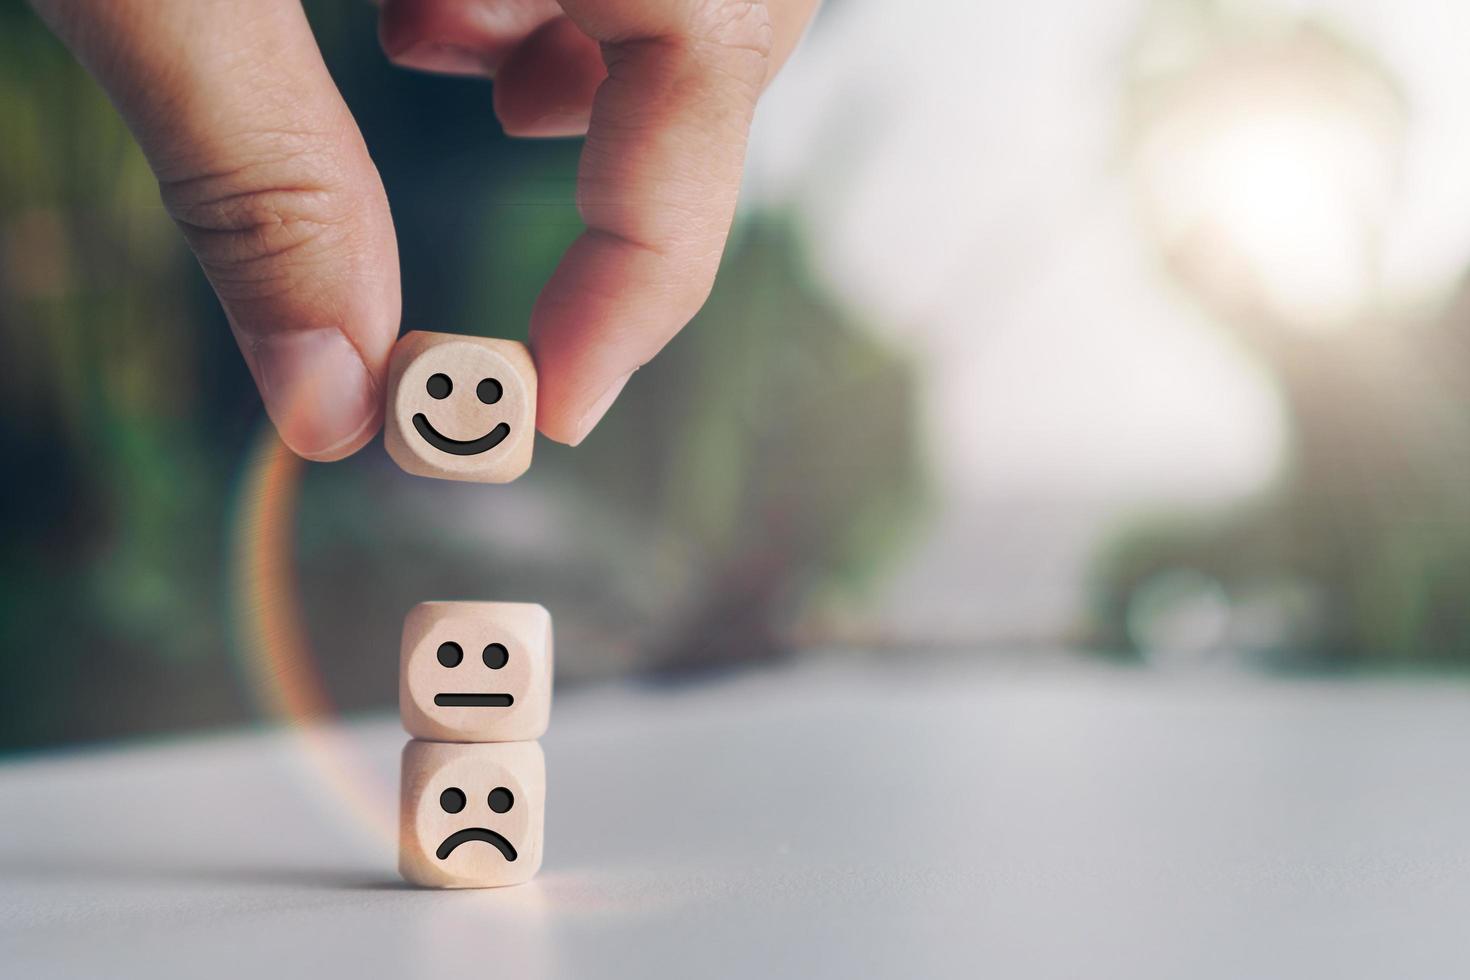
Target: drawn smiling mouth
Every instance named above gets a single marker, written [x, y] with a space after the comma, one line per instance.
[475, 833]
[456, 447]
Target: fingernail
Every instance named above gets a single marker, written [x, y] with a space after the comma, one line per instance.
[599, 408]
[317, 390]
[443, 59]
[569, 122]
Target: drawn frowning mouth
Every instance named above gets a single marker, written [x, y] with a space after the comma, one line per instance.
[475, 833]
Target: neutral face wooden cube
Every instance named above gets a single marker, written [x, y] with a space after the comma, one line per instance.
[461, 408]
[476, 671]
[471, 816]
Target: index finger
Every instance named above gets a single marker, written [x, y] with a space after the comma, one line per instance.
[657, 187]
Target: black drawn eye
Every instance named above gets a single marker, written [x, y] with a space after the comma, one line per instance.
[496, 656]
[488, 390]
[439, 386]
[450, 654]
[452, 799]
[500, 799]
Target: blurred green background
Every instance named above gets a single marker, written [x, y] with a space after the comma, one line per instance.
[1108, 330]
[768, 458]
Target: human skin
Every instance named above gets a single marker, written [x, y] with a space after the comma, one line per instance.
[260, 163]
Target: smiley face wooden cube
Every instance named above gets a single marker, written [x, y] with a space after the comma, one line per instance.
[471, 816]
[476, 671]
[461, 408]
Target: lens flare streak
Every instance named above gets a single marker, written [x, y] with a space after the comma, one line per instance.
[272, 645]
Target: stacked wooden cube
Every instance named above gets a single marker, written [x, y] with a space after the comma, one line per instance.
[474, 677]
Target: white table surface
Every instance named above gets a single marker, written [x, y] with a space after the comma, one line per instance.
[837, 818]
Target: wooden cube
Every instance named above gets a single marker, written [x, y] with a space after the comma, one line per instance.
[461, 408]
[476, 671]
[471, 816]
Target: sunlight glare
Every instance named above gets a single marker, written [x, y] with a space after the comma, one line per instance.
[1267, 180]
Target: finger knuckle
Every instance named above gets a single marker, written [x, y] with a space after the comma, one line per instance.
[249, 224]
[741, 30]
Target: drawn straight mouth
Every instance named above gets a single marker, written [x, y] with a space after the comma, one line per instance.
[474, 700]
[475, 833]
[456, 447]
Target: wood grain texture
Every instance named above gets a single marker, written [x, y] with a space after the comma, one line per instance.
[471, 816]
[461, 408]
[450, 652]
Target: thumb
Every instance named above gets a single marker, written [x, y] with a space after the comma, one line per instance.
[260, 163]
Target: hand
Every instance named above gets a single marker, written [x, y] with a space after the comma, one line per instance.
[262, 166]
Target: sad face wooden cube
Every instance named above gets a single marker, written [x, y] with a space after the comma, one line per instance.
[471, 816]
